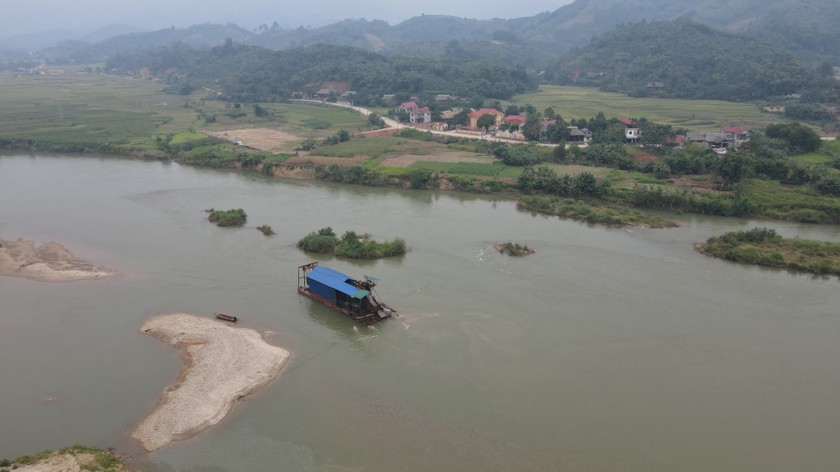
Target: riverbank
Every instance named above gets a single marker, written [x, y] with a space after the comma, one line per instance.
[222, 364]
[69, 459]
[51, 262]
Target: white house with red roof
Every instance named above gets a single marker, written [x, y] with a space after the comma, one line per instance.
[419, 116]
[408, 106]
[632, 133]
[735, 135]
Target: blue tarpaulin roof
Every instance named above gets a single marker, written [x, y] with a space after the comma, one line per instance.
[336, 280]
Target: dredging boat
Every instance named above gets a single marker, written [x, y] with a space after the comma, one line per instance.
[355, 298]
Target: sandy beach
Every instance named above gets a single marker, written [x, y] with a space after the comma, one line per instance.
[222, 363]
[51, 262]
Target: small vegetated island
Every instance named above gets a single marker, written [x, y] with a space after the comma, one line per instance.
[351, 245]
[763, 246]
[266, 230]
[513, 249]
[226, 218]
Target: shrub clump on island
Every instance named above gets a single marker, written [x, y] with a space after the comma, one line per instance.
[351, 245]
[763, 246]
[235, 217]
[266, 230]
[513, 249]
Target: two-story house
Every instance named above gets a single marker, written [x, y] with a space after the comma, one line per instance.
[419, 116]
[735, 136]
[632, 133]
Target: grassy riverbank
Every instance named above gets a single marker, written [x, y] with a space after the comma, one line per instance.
[592, 212]
[762, 246]
[69, 458]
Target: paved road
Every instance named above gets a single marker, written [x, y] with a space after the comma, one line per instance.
[390, 123]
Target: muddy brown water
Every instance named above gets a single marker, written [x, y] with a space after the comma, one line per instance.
[607, 350]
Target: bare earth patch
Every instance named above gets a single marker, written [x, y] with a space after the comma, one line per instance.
[302, 160]
[222, 364]
[49, 263]
[444, 156]
[57, 463]
[264, 139]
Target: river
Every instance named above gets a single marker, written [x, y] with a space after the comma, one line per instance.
[607, 350]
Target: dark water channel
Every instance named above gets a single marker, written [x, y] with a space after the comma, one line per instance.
[607, 350]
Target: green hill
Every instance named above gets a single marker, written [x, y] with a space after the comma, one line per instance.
[683, 59]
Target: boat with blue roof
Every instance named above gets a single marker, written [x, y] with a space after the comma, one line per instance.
[353, 297]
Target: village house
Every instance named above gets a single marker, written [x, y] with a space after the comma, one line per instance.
[449, 114]
[474, 116]
[518, 120]
[408, 106]
[579, 135]
[632, 133]
[419, 116]
[735, 136]
[439, 126]
[710, 140]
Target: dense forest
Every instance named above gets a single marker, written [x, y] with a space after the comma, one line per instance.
[685, 59]
[250, 73]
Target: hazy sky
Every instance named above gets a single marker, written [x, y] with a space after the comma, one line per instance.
[82, 16]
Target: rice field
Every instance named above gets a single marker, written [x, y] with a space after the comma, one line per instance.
[701, 115]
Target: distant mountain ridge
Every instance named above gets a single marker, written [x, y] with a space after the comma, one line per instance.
[806, 28]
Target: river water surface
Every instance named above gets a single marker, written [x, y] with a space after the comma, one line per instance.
[607, 350]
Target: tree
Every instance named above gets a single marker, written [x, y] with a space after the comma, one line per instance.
[260, 111]
[532, 128]
[799, 137]
[559, 153]
[460, 118]
[549, 113]
[486, 121]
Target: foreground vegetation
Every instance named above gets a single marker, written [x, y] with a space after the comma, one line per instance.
[351, 245]
[87, 458]
[763, 246]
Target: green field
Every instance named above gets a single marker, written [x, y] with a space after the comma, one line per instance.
[313, 120]
[701, 115]
[82, 108]
[74, 108]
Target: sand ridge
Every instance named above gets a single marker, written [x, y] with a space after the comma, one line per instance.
[51, 262]
[222, 363]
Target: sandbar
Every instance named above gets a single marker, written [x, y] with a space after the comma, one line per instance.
[51, 262]
[222, 363]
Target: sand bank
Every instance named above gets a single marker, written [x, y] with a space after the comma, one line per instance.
[222, 363]
[49, 263]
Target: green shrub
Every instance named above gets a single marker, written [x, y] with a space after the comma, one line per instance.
[322, 242]
[235, 217]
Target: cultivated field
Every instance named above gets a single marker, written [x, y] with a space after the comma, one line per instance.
[700, 115]
[84, 108]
